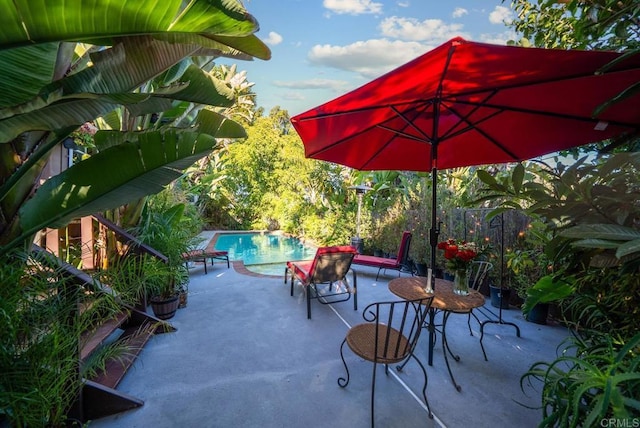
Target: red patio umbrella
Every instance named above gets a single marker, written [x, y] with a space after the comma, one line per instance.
[466, 103]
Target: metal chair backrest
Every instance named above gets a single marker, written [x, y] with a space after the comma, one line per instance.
[406, 318]
[478, 273]
[331, 264]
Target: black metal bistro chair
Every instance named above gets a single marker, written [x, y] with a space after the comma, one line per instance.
[389, 336]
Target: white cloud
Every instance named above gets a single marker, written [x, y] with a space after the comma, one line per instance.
[499, 38]
[370, 58]
[273, 39]
[429, 30]
[335, 85]
[352, 7]
[501, 15]
[458, 12]
[404, 4]
[293, 96]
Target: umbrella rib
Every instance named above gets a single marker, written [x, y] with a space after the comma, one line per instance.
[400, 132]
[503, 108]
[410, 124]
[465, 119]
[496, 89]
[395, 132]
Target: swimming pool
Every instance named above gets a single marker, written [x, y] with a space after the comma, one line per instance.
[265, 253]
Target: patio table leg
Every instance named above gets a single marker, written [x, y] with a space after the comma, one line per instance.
[445, 349]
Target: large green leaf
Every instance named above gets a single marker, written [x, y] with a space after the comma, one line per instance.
[97, 90]
[25, 22]
[136, 169]
[18, 84]
[548, 289]
[602, 231]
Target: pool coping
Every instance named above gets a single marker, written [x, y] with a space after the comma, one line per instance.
[238, 265]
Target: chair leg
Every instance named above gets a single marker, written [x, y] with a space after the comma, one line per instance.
[343, 382]
[308, 290]
[373, 394]
[469, 321]
[355, 291]
[424, 388]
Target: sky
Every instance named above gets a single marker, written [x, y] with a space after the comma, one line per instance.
[321, 49]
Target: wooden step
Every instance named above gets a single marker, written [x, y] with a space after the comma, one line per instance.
[115, 369]
[92, 340]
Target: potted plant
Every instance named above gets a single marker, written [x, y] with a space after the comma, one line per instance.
[167, 231]
[549, 288]
[163, 282]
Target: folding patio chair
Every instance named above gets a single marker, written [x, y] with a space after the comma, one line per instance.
[325, 277]
[398, 263]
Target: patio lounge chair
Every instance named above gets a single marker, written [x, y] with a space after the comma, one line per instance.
[385, 263]
[201, 256]
[328, 268]
[389, 336]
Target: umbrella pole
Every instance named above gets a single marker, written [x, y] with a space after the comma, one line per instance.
[434, 232]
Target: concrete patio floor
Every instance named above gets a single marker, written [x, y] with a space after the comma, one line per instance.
[245, 355]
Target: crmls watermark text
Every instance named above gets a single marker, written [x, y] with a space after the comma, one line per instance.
[620, 423]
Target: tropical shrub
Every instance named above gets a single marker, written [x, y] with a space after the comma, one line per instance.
[40, 376]
[592, 383]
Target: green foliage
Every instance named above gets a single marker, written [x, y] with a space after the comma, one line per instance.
[591, 210]
[166, 230]
[602, 24]
[133, 44]
[40, 337]
[606, 300]
[268, 184]
[590, 382]
[548, 289]
[124, 276]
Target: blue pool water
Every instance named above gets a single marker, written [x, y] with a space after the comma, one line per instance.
[265, 253]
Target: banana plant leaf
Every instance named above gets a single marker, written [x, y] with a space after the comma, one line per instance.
[140, 40]
[101, 21]
[138, 168]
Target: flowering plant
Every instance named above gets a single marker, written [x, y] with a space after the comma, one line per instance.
[459, 255]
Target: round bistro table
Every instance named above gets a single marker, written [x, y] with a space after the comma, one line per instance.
[445, 300]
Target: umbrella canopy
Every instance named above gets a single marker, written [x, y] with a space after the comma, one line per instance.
[466, 103]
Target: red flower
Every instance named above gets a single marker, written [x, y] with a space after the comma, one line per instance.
[458, 255]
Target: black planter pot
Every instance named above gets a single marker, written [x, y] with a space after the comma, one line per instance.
[421, 269]
[496, 293]
[358, 244]
[539, 313]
